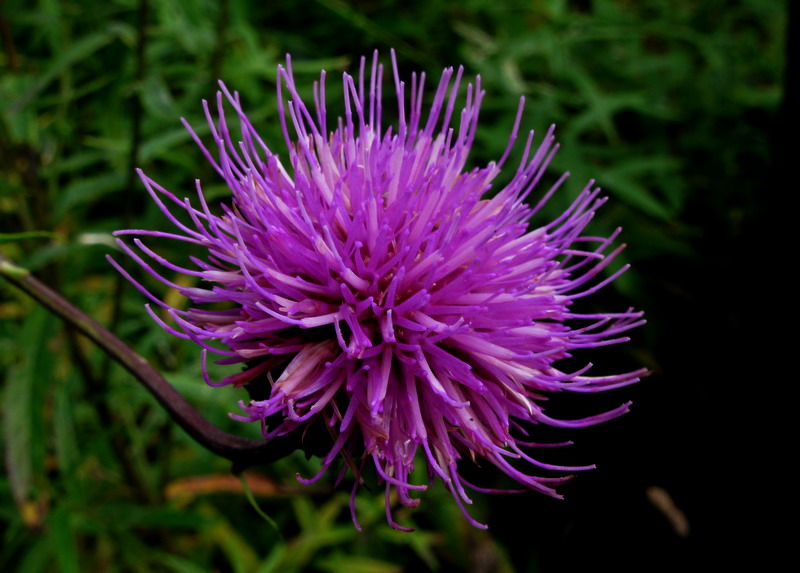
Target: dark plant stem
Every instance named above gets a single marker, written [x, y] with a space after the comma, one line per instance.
[243, 452]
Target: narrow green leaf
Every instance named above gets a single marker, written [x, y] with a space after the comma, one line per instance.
[88, 189]
[22, 405]
[78, 161]
[179, 564]
[131, 515]
[274, 561]
[356, 564]
[14, 237]
[308, 544]
[304, 511]
[63, 535]
[636, 195]
[241, 556]
[81, 50]
[65, 439]
[38, 557]
[249, 495]
[168, 140]
[157, 99]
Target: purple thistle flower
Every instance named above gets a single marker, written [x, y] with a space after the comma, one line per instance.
[387, 290]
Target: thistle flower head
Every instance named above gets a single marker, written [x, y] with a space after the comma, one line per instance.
[377, 282]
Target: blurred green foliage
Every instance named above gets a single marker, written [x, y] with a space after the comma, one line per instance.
[652, 99]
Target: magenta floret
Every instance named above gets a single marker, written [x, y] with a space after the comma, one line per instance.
[384, 285]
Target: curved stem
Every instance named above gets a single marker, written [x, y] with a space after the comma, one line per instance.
[243, 452]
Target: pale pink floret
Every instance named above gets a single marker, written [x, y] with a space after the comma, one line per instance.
[389, 288]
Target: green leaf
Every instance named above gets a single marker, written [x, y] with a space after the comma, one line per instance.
[130, 515]
[168, 140]
[89, 189]
[274, 561]
[241, 557]
[157, 99]
[63, 536]
[250, 498]
[66, 442]
[14, 237]
[624, 181]
[304, 511]
[179, 564]
[81, 50]
[22, 405]
[38, 557]
[78, 161]
[356, 564]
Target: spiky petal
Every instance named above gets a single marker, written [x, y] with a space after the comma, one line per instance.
[384, 285]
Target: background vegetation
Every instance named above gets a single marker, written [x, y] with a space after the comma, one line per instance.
[671, 106]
